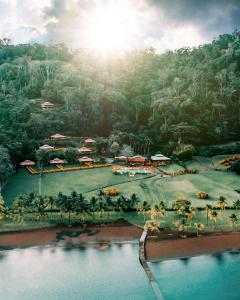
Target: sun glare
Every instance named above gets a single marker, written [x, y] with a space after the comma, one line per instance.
[110, 28]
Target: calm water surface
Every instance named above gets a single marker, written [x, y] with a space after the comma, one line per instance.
[47, 274]
[56, 274]
[215, 277]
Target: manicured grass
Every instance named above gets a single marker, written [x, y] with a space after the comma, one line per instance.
[22, 183]
[154, 189]
[214, 183]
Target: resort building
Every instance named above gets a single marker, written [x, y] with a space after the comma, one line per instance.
[89, 141]
[83, 150]
[58, 136]
[137, 160]
[46, 147]
[26, 163]
[57, 161]
[85, 159]
[120, 158]
[47, 105]
[160, 159]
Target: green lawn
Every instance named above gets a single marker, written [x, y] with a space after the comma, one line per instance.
[153, 189]
[22, 183]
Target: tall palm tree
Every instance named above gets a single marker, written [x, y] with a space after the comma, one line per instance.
[213, 216]
[234, 219]
[51, 202]
[236, 204]
[221, 203]
[39, 206]
[93, 206]
[143, 209]
[19, 208]
[199, 227]
[208, 211]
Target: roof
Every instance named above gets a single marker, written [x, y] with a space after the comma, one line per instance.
[84, 149]
[122, 157]
[159, 157]
[46, 147]
[137, 158]
[58, 136]
[85, 159]
[57, 161]
[47, 104]
[27, 163]
[89, 140]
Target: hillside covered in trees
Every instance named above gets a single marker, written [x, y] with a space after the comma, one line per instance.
[189, 96]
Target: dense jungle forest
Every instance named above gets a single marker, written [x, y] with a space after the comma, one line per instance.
[187, 96]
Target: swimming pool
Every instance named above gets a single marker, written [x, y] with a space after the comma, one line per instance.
[133, 171]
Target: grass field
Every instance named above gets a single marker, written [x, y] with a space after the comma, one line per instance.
[153, 189]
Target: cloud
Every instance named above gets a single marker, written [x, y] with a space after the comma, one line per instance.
[163, 24]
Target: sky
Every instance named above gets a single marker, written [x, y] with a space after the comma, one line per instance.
[114, 24]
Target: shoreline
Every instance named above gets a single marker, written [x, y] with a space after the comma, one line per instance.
[158, 250]
[167, 245]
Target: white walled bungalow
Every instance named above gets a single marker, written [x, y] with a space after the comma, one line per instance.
[58, 136]
[85, 159]
[57, 161]
[47, 105]
[160, 159]
[89, 141]
[26, 163]
[83, 150]
[46, 147]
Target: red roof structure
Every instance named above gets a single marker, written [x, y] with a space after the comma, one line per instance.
[137, 159]
[27, 163]
[57, 161]
[85, 159]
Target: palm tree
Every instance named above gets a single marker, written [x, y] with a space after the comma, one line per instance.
[234, 219]
[182, 226]
[2, 207]
[93, 206]
[39, 205]
[133, 201]
[51, 202]
[199, 227]
[208, 210]
[143, 209]
[213, 216]
[19, 208]
[236, 204]
[221, 203]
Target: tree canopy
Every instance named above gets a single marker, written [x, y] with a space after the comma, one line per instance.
[188, 96]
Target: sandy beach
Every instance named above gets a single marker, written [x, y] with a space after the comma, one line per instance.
[175, 248]
[99, 233]
[167, 245]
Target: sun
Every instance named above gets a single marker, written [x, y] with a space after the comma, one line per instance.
[110, 28]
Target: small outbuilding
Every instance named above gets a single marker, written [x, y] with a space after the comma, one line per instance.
[85, 159]
[84, 150]
[121, 158]
[58, 136]
[160, 159]
[26, 163]
[57, 161]
[47, 105]
[89, 141]
[137, 159]
[46, 147]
